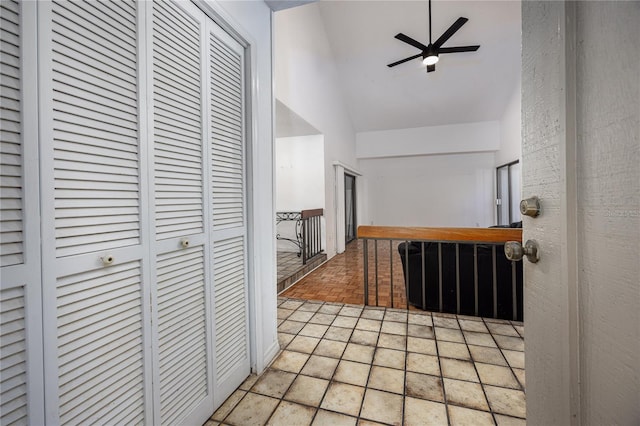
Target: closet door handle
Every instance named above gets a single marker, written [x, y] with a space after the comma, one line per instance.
[184, 243]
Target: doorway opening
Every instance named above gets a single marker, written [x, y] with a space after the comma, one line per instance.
[350, 225]
[300, 197]
[508, 193]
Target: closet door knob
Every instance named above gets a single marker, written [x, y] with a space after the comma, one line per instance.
[184, 242]
[107, 259]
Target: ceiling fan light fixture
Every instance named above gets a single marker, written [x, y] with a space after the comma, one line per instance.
[430, 55]
[430, 60]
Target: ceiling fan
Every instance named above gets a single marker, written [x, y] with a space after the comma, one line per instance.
[430, 53]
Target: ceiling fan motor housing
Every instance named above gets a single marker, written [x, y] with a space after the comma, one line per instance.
[430, 52]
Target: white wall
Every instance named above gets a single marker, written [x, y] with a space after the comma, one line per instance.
[307, 83]
[253, 21]
[299, 180]
[430, 176]
[511, 128]
[438, 190]
[300, 173]
[511, 123]
[511, 147]
[449, 139]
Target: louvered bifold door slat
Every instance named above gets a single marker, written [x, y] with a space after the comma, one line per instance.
[231, 316]
[94, 278]
[227, 129]
[13, 395]
[22, 392]
[177, 129]
[182, 354]
[100, 346]
[97, 199]
[12, 354]
[228, 210]
[184, 383]
[11, 224]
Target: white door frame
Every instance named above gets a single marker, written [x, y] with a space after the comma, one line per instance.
[339, 171]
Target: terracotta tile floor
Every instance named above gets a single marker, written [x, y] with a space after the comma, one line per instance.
[349, 364]
[341, 279]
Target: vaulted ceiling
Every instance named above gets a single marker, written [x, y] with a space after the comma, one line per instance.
[466, 87]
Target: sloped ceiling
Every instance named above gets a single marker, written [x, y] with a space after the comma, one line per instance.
[276, 5]
[466, 87]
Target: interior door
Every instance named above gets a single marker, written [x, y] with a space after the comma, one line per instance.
[142, 211]
[350, 207]
[22, 393]
[228, 207]
[95, 267]
[508, 183]
[581, 130]
[181, 332]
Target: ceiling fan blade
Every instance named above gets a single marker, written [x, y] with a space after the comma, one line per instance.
[452, 29]
[431, 68]
[411, 41]
[458, 49]
[402, 61]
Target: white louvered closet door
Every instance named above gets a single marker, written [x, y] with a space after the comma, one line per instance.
[21, 394]
[93, 213]
[182, 330]
[123, 221]
[227, 162]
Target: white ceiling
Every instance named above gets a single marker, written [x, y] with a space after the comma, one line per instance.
[466, 87]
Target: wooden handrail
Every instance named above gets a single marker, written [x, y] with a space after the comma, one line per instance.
[488, 235]
[311, 213]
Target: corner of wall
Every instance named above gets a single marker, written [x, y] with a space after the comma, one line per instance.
[511, 128]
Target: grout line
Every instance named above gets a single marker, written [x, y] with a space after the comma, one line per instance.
[444, 392]
[301, 368]
[473, 362]
[406, 360]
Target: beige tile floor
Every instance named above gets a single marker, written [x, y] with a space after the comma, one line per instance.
[347, 365]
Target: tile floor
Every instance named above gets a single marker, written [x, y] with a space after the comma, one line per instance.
[349, 364]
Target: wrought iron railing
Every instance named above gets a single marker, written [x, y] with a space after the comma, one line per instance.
[308, 231]
[454, 270]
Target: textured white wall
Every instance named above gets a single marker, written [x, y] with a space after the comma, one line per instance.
[438, 190]
[608, 155]
[307, 83]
